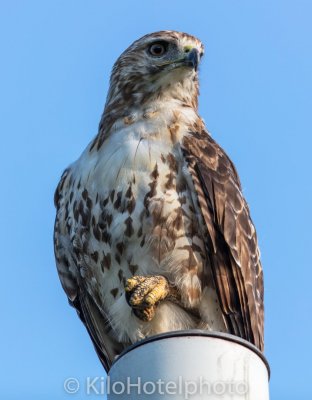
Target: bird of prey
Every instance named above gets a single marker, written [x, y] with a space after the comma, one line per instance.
[152, 231]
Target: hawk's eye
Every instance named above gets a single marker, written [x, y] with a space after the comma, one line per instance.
[158, 49]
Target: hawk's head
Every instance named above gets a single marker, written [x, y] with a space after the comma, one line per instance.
[160, 64]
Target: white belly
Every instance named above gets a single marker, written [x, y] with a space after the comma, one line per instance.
[153, 235]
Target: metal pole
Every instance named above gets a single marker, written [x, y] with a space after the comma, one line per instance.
[192, 365]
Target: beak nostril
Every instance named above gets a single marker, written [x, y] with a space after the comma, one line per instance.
[187, 49]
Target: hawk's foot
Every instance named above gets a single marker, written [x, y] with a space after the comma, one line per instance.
[143, 293]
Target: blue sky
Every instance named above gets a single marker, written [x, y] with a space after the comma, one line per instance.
[256, 88]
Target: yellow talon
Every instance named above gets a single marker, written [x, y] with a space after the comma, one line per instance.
[143, 293]
[133, 282]
[157, 294]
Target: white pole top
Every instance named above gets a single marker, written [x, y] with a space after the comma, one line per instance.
[193, 364]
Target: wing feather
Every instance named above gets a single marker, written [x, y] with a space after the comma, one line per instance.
[94, 318]
[98, 328]
[231, 237]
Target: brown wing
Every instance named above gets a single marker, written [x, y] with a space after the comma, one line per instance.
[98, 328]
[231, 237]
[67, 260]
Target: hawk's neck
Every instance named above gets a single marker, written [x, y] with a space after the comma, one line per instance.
[159, 120]
[171, 103]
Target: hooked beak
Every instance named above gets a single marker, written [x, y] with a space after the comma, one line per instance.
[192, 59]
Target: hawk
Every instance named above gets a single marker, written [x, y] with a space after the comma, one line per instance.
[152, 232]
